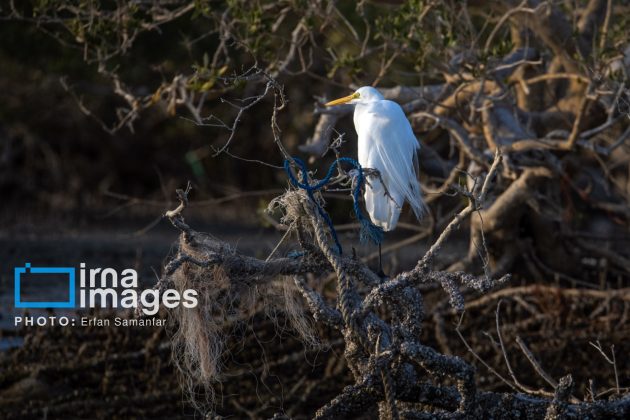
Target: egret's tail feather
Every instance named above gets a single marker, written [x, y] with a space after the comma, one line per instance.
[414, 197]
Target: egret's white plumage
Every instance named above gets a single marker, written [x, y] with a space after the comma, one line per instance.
[386, 143]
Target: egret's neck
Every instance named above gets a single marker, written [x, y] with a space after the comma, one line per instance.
[364, 106]
[360, 108]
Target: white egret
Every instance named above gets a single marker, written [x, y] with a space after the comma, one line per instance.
[386, 143]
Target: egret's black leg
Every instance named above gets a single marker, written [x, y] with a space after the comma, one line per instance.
[380, 259]
[380, 273]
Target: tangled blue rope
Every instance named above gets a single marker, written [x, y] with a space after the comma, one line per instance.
[369, 231]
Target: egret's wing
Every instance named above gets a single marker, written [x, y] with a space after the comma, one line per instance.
[389, 145]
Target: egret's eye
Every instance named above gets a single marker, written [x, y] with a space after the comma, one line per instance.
[356, 95]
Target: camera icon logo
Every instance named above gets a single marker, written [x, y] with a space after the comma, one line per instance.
[40, 273]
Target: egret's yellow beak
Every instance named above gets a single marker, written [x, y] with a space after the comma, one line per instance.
[343, 100]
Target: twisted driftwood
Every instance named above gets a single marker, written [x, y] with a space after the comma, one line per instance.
[392, 368]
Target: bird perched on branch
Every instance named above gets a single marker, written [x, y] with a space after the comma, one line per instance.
[387, 144]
